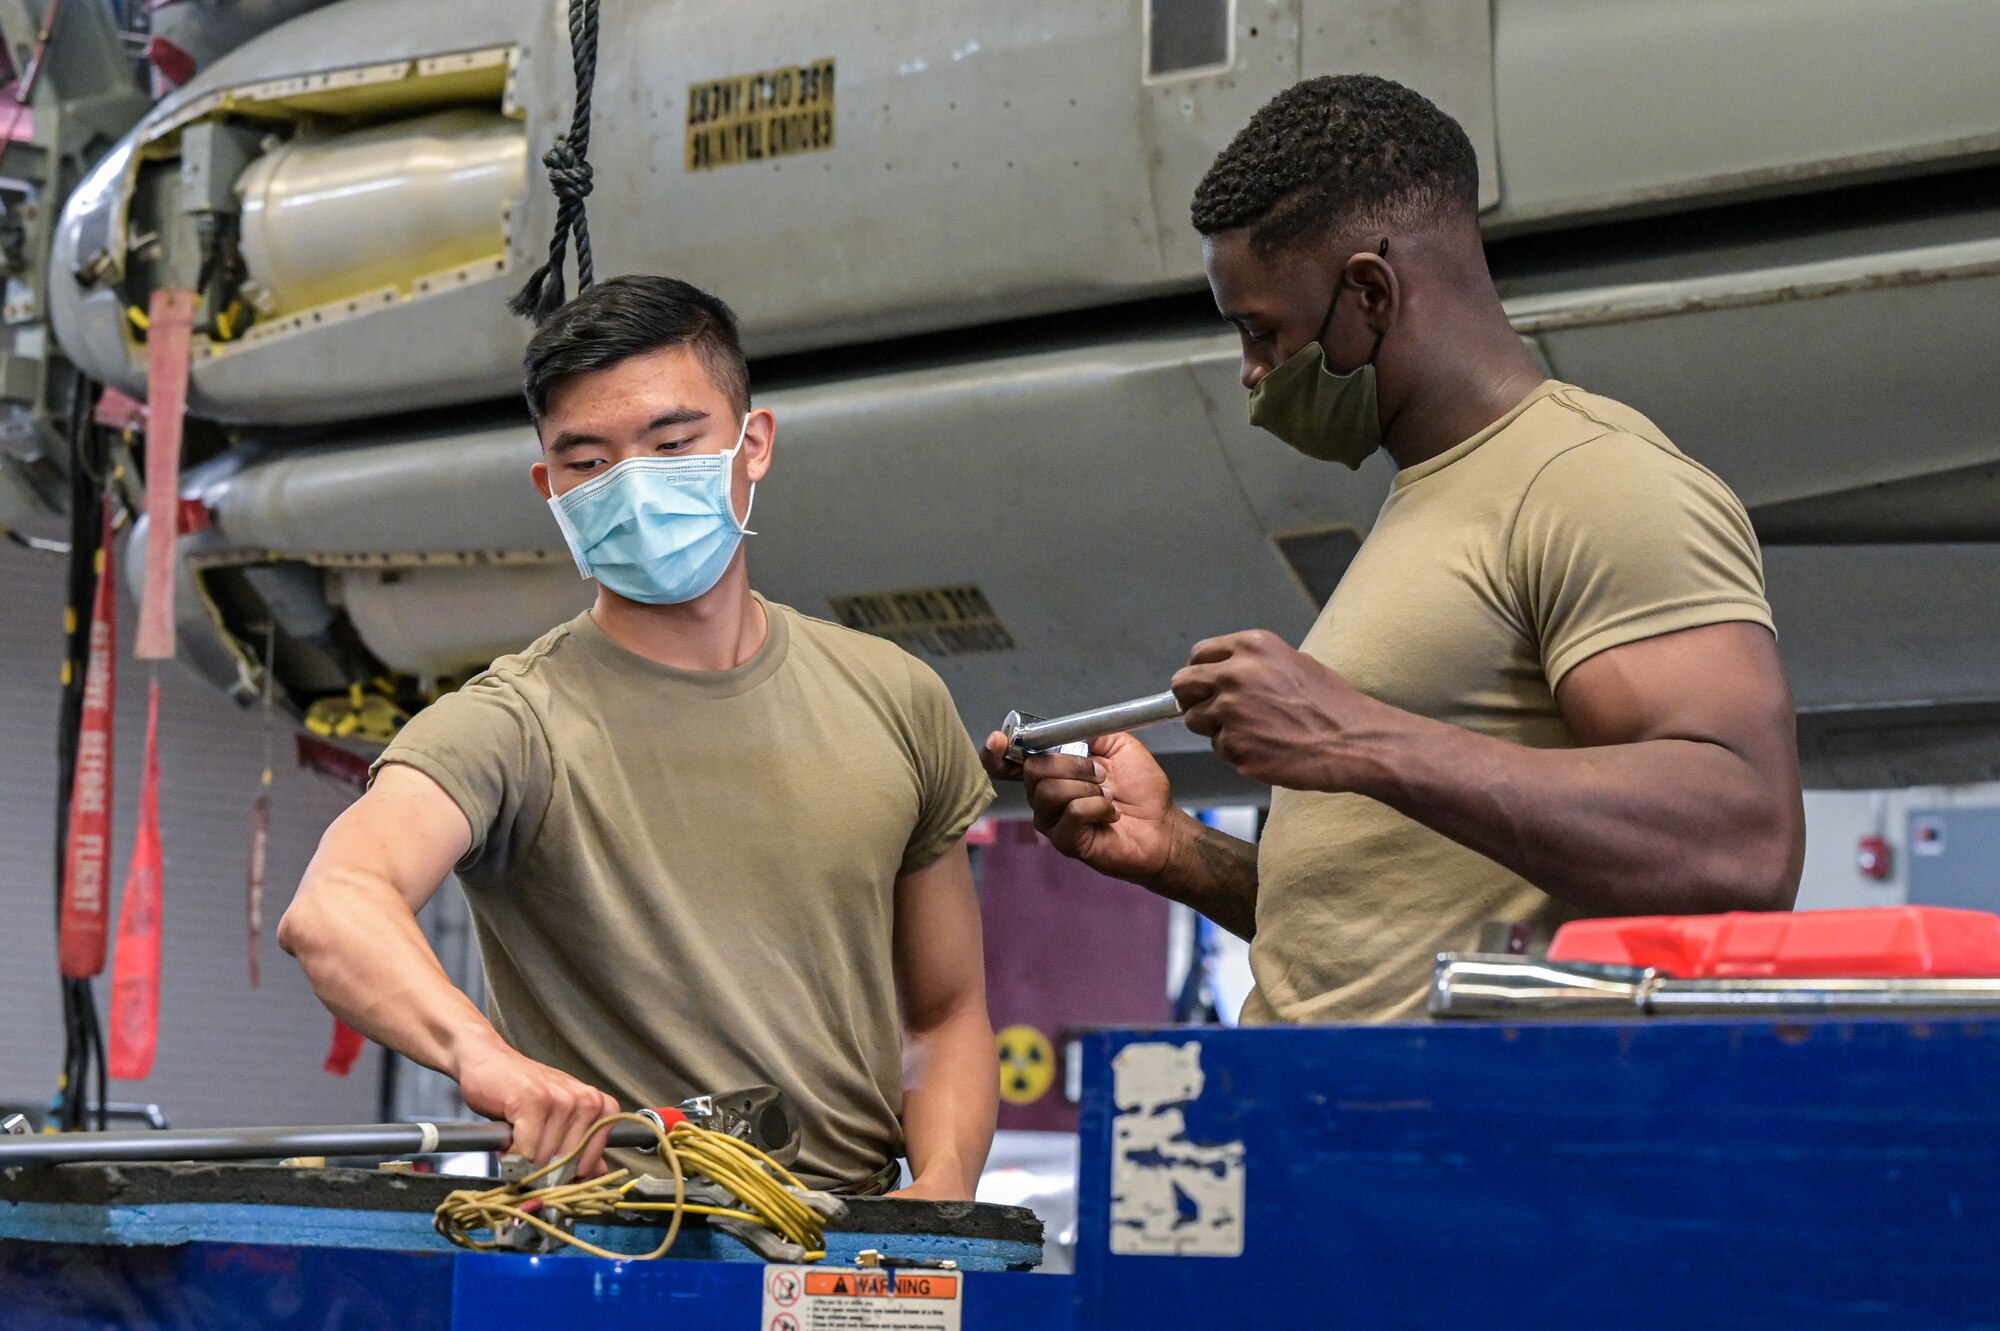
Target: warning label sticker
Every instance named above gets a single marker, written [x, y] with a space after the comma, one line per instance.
[755, 117]
[811, 1298]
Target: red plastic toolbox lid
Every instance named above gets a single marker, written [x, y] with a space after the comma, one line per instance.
[1828, 944]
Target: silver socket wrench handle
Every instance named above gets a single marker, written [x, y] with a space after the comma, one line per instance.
[1027, 734]
[761, 1115]
[387, 1139]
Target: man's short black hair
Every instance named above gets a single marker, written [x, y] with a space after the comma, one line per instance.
[1337, 153]
[623, 317]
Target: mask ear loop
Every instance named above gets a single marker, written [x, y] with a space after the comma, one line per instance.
[1376, 350]
[1326, 320]
[728, 474]
[571, 537]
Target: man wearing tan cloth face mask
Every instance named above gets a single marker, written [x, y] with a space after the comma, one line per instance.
[1548, 684]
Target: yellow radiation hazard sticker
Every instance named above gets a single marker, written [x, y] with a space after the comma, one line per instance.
[1027, 1065]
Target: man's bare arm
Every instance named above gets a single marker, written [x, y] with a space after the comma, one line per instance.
[1685, 798]
[1213, 873]
[353, 927]
[1115, 812]
[951, 1076]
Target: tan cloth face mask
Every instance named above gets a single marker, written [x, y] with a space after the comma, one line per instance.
[1328, 416]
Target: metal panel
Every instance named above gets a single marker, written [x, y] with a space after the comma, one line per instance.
[1079, 479]
[1887, 625]
[1954, 858]
[1017, 163]
[504, 1292]
[1798, 379]
[1606, 105]
[268, 1287]
[433, 194]
[1892, 748]
[444, 621]
[1839, 1175]
[223, 1287]
[967, 139]
[468, 491]
[458, 346]
[1182, 123]
[964, 130]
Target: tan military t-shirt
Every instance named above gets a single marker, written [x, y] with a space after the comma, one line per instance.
[683, 881]
[1569, 526]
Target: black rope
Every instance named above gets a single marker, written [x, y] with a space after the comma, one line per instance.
[569, 176]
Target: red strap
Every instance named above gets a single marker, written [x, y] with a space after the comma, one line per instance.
[135, 971]
[167, 339]
[87, 854]
[345, 1050]
[115, 411]
[330, 760]
[176, 66]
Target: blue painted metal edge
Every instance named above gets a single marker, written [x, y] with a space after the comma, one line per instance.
[410, 1231]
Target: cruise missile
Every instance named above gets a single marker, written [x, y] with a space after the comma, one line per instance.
[1011, 433]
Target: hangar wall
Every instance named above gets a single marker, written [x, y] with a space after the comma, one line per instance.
[228, 1054]
[1836, 820]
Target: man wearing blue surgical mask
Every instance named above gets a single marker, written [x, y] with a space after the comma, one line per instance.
[1548, 684]
[670, 895]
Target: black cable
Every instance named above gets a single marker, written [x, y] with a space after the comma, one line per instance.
[39, 544]
[85, 531]
[93, 1031]
[83, 1040]
[569, 175]
[66, 1114]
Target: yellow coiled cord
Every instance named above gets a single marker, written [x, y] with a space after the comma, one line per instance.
[746, 1173]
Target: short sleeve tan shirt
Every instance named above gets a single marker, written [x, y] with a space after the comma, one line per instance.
[684, 881]
[1568, 527]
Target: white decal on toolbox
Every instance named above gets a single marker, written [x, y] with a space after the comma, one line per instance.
[1170, 1197]
[821, 1298]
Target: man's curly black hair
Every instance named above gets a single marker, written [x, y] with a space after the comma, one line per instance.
[1335, 152]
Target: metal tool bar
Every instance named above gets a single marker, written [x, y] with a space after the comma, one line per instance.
[1472, 985]
[386, 1139]
[1668, 997]
[760, 1115]
[1033, 734]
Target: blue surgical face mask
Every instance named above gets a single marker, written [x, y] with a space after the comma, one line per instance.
[656, 530]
